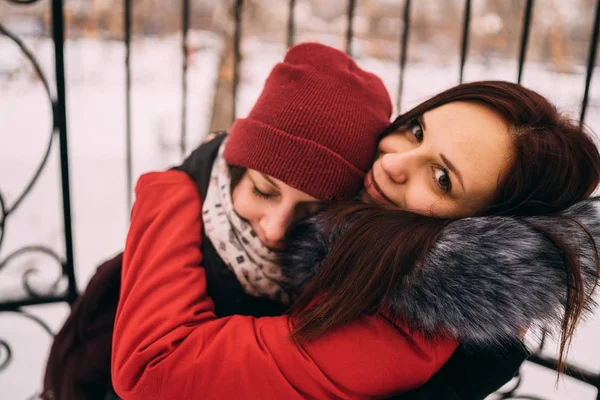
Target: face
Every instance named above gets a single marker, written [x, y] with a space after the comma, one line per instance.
[271, 206]
[446, 164]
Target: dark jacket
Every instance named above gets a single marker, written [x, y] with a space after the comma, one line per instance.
[79, 362]
[472, 374]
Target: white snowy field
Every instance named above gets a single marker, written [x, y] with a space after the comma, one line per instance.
[97, 158]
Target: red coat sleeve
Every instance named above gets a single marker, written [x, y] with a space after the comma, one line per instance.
[168, 343]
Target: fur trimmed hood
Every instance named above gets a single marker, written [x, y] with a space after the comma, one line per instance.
[485, 278]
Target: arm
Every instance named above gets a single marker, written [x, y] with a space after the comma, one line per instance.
[168, 342]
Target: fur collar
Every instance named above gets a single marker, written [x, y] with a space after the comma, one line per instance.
[485, 278]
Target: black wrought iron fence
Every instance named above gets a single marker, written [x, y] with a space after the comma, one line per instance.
[58, 132]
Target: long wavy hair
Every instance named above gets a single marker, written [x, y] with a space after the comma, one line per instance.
[555, 164]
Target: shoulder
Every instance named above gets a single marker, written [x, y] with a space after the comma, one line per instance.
[172, 188]
[164, 179]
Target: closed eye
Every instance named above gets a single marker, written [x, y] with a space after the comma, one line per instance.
[260, 194]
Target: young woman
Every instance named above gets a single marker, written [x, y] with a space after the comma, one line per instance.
[508, 273]
[371, 322]
[310, 138]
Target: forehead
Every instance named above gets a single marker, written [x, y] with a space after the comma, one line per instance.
[284, 189]
[474, 138]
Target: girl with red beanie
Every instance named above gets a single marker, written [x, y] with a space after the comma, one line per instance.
[309, 140]
[168, 340]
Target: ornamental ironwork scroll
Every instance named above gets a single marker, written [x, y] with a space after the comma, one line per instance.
[63, 265]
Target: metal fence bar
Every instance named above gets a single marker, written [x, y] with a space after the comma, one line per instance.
[465, 40]
[403, 51]
[12, 305]
[128, 150]
[237, 57]
[184, 73]
[29, 55]
[61, 121]
[291, 28]
[350, 28]
[525, 37]
[591, 62]
[571, 370]
[7, 210]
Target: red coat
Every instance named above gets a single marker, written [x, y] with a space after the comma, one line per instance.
[168, 343]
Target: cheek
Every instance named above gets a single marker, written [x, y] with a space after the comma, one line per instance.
[419, 198]
[394, 143]
[422, 199]
[480, 201]
[245, 203]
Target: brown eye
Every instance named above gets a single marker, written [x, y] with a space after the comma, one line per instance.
[442, 179]
[416, 130]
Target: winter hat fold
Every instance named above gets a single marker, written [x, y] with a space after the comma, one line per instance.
[315, 125]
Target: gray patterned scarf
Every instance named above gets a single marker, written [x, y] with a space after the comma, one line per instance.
[235, 241]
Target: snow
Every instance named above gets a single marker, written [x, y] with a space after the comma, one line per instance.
[97, 158]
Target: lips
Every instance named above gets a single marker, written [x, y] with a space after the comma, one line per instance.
[374, 191]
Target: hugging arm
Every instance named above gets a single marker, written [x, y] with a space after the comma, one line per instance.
[168, 343]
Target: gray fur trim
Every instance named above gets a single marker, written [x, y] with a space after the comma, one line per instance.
[485, 278]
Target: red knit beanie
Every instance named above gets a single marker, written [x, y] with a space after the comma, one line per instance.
[315, 125]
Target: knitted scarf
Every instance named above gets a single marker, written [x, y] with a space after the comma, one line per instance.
[236, 242]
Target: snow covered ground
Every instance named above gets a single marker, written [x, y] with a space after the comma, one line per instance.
[97, 156]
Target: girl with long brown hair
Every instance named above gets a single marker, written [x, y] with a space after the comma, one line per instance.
[553, 165]
[461, 183]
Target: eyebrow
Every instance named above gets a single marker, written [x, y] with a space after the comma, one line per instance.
[447, 162]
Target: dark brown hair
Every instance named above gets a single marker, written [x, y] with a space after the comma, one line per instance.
[236, 173]
[555, 164]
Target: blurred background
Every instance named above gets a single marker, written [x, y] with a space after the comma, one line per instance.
[145, 81]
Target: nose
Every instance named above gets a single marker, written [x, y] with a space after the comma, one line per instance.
[274, 226]
[398, 166]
